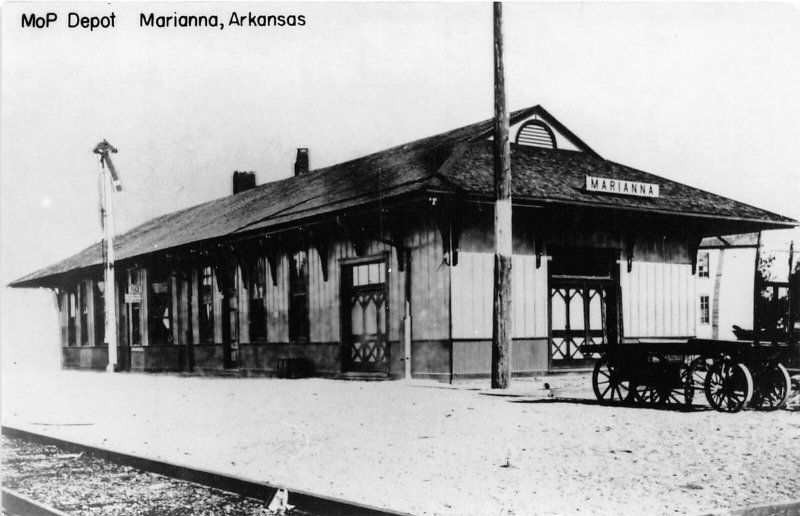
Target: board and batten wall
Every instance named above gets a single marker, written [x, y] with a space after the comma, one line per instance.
[472, 299]
[430, 293]
[658, 296]
[659, 293]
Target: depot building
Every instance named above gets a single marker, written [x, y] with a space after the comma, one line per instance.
[386, 261]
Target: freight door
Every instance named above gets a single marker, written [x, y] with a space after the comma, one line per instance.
[583, 304]
[365, 311]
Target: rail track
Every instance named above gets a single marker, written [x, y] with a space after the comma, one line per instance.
[111, 477]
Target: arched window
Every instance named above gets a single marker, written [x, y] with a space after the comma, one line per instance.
[535, 133]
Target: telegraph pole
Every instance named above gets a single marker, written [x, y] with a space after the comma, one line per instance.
[108, 186]
[501, 324]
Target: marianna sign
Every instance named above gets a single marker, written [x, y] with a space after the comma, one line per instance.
[619, 186]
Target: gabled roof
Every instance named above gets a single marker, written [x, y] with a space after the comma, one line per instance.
[457, 160]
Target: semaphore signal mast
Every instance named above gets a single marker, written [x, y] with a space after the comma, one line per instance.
[109, 183]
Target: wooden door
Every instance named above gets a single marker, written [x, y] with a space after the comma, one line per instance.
[579, 315]
[584, 287]
[364, 317]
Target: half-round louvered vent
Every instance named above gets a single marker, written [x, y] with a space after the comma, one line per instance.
[535, 133]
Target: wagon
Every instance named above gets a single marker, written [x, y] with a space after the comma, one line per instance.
[732, 374]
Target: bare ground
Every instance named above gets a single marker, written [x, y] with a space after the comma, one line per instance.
[427, 448]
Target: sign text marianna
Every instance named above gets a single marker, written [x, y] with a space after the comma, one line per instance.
[617, 186]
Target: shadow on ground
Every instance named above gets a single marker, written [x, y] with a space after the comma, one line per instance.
[582, 401]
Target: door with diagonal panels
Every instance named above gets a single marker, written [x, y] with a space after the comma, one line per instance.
[364, 317]
[579, 317]
[583, 304]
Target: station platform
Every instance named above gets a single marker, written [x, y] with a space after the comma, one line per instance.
[423, 447]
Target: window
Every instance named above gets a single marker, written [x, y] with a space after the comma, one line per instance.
[71, 318]
[298, 297]
[704, 310]
[702, 265]
[158, 309]
[134, 300]
[258, 289]
[369, 274]
[84, 312]
[206, 317]
[99, 313]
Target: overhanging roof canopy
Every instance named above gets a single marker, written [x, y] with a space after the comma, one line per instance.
[458, 161]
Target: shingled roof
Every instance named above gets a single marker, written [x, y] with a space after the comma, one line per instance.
[559, 177]
[458, 160]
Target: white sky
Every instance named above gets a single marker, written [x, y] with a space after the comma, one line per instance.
[701, 94]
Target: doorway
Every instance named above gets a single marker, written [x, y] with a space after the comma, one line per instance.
[584, 286]
[364, 316]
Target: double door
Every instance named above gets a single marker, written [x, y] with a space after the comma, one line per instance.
[583, 304]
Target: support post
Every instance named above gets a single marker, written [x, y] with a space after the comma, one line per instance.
[501, 324]
[757, 292]
[110, 294]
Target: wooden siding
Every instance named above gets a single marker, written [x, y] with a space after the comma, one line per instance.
[90, 337]
[278, 302]
[63, 295]
[473, 280]
[474, 357]
[657, 299]
[430, 302]
[472, 294]
[430, 285]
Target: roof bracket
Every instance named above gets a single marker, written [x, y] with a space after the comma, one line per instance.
[272, 259]
[630, 242]
[321, 242]
[398, 236]
[538, 245]
[693, 247]
[449, 225]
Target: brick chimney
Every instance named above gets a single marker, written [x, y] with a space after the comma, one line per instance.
[301, 163]
[243, 181]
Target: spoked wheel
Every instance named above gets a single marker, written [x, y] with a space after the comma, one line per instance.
[728, 386]
[607, 384]
[678, 387]
[772, 388]
[646, 394]
[681, 394]
[696, 373]
[669, 383]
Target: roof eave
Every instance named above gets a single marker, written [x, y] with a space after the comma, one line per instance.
[534, 201]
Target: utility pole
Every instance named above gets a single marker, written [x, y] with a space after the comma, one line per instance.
[107, 188]
[501, 324]
[757, 283]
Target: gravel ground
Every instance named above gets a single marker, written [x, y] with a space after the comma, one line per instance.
[428, 448]
[82, 485]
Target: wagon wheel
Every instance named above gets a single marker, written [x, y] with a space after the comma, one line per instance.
[665, 386]
[774, 386]
[646, 394]
[687, 379]
[607, 384]
[680, 393]
[696, 375]
[728, 386]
